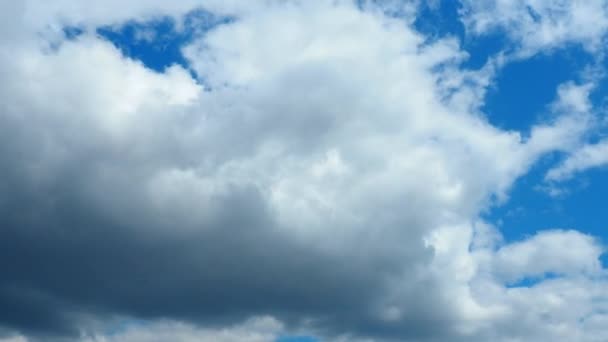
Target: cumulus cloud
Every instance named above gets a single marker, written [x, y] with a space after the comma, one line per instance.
[547, 286]
[325, 170]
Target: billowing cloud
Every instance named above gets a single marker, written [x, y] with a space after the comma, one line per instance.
[326, 170]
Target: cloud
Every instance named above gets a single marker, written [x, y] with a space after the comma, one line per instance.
[536, 26]
[257, 329]
[555, 252]
[328, 174]
[581, 155]
[563, 299]
[584, 158]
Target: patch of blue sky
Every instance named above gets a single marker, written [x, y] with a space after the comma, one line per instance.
[523, 89]
[72, 32]
[158, 43]
[531, 281]
[530, 208]
[519, 98]
[442, 19]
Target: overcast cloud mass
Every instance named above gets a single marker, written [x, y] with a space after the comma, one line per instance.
[315, 168]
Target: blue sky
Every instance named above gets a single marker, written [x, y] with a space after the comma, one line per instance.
[328, 171]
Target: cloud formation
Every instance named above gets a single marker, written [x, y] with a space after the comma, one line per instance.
[540, 25]
[325, 171]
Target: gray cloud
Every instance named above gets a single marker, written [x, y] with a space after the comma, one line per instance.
[326, 180]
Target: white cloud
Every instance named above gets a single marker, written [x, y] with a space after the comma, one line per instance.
[573, 117]
[549, 252]
[581, 156]
[540, 25]
[482, 271]
[326, 129]
[587, 157]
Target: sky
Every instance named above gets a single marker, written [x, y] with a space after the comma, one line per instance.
[303, 171]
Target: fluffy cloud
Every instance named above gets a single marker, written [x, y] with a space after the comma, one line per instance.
[329, 174]
[547, 286]
[555, 252]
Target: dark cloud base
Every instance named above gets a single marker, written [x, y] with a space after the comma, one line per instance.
[63, 262]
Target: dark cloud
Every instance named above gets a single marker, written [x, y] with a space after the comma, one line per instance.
[61, 258]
